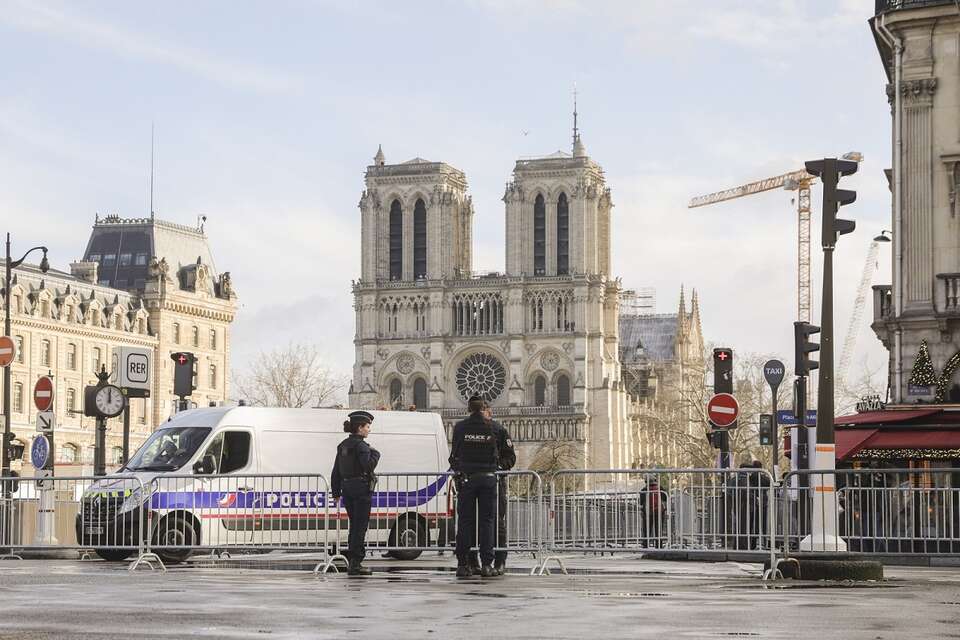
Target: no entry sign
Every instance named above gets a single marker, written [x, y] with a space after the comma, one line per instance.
[8, 351]
[43, 393]
[723, 410]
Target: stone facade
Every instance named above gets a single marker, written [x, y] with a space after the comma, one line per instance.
[923, 302]
[540, 341]
[68, 324]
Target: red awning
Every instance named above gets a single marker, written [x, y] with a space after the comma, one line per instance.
[885, 417]
[850, 441]
[915, 439]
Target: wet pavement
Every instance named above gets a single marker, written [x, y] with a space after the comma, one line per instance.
[604, 597]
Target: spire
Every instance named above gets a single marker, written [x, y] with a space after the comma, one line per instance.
[579, 151]
[683, 303]
[379, 159]
[694, 304]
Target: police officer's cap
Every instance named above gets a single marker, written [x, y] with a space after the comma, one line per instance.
[360, 417]
[475, 398]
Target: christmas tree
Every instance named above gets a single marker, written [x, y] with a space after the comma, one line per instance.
[923, 373]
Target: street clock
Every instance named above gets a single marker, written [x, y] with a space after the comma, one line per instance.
[109, 401]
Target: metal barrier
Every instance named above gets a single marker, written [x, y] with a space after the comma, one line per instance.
[631, 510]
[83, 513]
[876, 511]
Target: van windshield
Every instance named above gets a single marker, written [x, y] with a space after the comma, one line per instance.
[168, 449]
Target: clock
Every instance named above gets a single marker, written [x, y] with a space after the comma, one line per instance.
[109, 401]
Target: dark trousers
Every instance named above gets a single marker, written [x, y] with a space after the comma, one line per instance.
[500, 556]
[357, 500]
[475, 511]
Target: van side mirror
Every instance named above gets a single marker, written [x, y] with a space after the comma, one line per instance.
[205, 465]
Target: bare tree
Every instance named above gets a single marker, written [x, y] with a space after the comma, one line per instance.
[554, 455]
[291, 376]
[867, 381]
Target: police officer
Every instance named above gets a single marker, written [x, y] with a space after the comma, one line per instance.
[353, 479]
[475, 457]
[508, 458]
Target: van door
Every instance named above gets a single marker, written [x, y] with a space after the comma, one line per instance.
[232, 511]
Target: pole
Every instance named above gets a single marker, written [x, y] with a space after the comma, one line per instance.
[775, 448]
[99, 459]
[126, 433]
[5, 468]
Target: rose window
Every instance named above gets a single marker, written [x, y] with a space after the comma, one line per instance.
[481, 374]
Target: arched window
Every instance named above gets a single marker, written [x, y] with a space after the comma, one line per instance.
[539, 391]
[18, 397]
[419, 240]
[95, 358]
[20, 355]
[116, 455]
[539, 237]
[563, 235]
[213, 338]
[71, 356]
[396, 241]
[213, 376]
[71, 401]
[196, 336]
[396, 393]
[420, 394]
[563, 390]
[68, 453]
[45, 353]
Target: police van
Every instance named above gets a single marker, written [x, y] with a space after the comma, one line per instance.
[250, 477]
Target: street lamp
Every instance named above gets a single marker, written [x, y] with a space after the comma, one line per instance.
[8, 275]
[885, 236]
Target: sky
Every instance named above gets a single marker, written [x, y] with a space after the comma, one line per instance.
[266, 115]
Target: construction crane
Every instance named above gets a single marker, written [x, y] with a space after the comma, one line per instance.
[799, 181]
[853, 329]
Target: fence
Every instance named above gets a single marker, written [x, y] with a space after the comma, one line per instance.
[170, 517]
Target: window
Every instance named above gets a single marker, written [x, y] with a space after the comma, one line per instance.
[230, 451]
[563, 390]
[45, 353]
[67, 314]
[196, 336]
[563, 235]
[18, 397]
[121, 283]
[396, 241]
[96, 359]
[396, 393]
[213, 376]
[213, 338]
[68, 453]
[20, 355]
[141, 259]
[45, 308]
[17, 304]
[109, 259]
[419, 240]
[72, 357]
[539, 237]
[142, 416]
[89, 454]
[71, 400]
[139, 284]
[125, 259]
[176, 333]
[539, 391]
[141, 325]
[104, 282]
[94, 257]
[420, 394]
[116, 455]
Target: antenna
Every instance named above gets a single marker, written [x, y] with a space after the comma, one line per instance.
[151, 169]
[576, 134]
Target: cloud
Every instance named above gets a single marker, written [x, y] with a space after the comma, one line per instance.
[37, 17]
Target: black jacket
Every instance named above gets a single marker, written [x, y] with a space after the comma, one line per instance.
[355, 459]
[503, 458]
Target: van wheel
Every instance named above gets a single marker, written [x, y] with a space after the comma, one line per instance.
[114, 555]
[172, 532]
[408, 531]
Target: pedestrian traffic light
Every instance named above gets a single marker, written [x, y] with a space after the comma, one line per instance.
[766, 429]
[14, 450]
[802, 331]
[723, 370]
[830, 170]
[718, 438]
[183, 374]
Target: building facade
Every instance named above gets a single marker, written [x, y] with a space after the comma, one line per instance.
[539, 341]
[919, 46]
[141, 283]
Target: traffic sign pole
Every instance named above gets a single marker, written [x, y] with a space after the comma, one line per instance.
[773, 372]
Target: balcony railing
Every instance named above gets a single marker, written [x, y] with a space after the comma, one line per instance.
[882, 302]
[563, 410]
[882, 6]
[951, 290]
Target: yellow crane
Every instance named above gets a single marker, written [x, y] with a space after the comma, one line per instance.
[799, 181]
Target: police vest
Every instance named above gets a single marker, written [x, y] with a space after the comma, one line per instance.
[347, 460]
[479, 451]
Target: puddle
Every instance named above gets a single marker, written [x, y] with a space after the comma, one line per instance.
[623, 594]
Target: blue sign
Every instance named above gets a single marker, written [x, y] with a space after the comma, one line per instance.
[39, 452]
[785, 417]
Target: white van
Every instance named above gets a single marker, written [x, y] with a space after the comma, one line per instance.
[224, 477]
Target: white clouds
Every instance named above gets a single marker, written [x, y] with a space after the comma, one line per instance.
[54, 21]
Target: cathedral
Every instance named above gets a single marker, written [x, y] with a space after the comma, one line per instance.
[540, 341]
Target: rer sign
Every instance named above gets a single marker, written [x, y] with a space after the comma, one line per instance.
[132, 367]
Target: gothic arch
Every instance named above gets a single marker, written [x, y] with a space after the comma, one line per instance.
[395, 239]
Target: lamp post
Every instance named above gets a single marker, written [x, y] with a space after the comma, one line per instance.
[10, 264]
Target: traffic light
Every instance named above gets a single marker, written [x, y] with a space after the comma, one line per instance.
[183, 373]
[802, 331]
[766, 429]
[723, 370]
[14, 450]
[718, 439]
[830, 170]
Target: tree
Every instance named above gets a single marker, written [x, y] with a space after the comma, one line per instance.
[291, 376]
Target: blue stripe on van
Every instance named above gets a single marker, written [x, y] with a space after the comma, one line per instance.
[166, 500]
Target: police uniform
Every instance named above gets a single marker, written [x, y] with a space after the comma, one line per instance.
[475, 457]
[352, 478]
[507, 460]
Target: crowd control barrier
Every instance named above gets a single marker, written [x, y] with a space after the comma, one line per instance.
[880, 512]
[631, 510]
[83, 513]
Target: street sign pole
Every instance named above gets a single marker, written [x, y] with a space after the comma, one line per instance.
[723, 383]
[773, 372]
